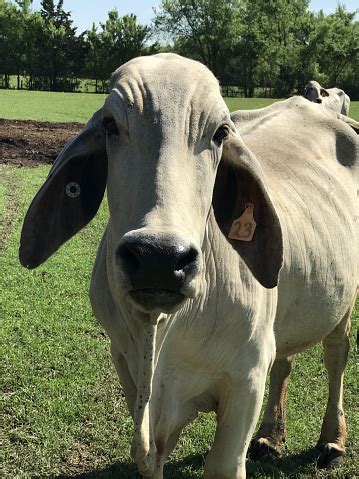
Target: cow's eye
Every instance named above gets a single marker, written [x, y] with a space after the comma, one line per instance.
[110, 126]
[220, 135]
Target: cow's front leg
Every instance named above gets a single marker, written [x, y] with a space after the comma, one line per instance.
[271, 434]
[333, 434]
[239, 405]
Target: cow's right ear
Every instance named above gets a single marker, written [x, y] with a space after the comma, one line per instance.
[70, 196]
[240, 186]
[324, 92]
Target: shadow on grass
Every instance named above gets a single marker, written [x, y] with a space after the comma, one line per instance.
[289, 466]
[127, 470]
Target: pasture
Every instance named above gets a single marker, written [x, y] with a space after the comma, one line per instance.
[63, 412]
[78, 107]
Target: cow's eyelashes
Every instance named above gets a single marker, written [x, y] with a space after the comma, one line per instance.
[110, 126]
[220, 135]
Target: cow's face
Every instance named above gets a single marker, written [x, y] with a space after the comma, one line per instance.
[166, 122]
[314, 92]
[157, 142]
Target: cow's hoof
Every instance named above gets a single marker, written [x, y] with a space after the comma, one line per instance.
[331, 456]
[263, 448]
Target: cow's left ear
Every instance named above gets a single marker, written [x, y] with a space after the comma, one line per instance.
[239, 183]
[70, 196]
[324, 92]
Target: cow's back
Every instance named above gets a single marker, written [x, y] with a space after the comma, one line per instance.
[337, 101]
[310, 160]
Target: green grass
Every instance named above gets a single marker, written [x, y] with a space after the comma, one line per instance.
[62, 406]
[2, 200]
[354, 110]
[248, 103]
[49, 106]
[68, 107]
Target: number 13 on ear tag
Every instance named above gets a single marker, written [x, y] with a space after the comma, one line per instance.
[243, 228]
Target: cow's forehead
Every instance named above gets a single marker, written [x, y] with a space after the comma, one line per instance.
[314, 84]
[167, 82]
[165, 66]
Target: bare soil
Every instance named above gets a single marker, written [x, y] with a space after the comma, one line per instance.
[33, 143]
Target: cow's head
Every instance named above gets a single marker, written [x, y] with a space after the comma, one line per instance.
[157, 144]
[314, 92]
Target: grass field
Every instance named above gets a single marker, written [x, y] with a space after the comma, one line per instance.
[68, 107]
[49, 106]
[62, 408]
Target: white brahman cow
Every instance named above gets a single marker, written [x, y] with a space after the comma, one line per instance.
[201, 222]
[332, 98]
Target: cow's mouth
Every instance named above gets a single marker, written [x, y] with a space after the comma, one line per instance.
[157, 299]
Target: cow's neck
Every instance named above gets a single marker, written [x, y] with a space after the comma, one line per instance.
[149, 334]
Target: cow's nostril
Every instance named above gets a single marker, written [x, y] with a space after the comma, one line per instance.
[187, 259]
[157, 263]
[129, 258]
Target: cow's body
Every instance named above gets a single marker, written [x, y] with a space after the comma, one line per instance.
[313, 184]
[337, 101]
[333, 99]
[313, 195]
[311, 166]
[213, 352]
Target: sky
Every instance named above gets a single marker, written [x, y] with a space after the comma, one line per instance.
[85, 12]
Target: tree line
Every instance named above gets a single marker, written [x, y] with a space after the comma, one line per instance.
[272, 45]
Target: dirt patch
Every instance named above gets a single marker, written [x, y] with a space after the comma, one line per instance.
[33, 143]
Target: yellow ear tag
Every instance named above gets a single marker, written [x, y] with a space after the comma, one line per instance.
[243, 228]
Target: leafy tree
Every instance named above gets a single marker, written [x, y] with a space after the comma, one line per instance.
[59, 50]
[335, 45]
[6, 33]
[253, 35]
[278, 45]
[94, 55]
[123, 37]
[203, 29]
[291, 25]
[34, 27]
[244, 41]
[25, 5]
[273, 36]
[119, 40]
[11, 42]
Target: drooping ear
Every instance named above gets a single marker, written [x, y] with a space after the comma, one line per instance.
[70, 196]
[239, 182]
[324, 92]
